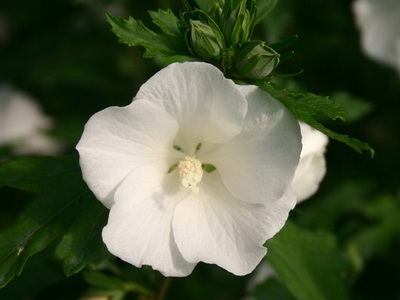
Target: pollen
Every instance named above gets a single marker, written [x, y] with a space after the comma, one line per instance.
[190, 172]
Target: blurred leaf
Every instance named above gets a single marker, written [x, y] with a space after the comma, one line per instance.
[284, 44]
[61, 206]
[134, 33]
[207, 5]
[34, 174]
[81, 245]
[272, 289]
[100, 280]
[383, 229]
[109, 283]
[23, 287]
[306, 107]
[309, 263]
[263, 8]
[345, 199]
[355, 108]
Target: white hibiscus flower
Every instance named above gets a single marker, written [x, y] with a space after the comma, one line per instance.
[312, 166]
[195, 169]
[379, 23]
[22, 125]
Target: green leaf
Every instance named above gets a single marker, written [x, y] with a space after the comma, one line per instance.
[101, 280]
[284, 44]
[309, 263]
[81, 245]
[382, 228]
[264, 7]
[272, 289]
[61, 207]
[134, 33]
[306, 107]
[355, 108]
[166, 21]
[34, 174]
[106, 282]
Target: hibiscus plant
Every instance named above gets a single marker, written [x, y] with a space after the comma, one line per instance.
[203, 166]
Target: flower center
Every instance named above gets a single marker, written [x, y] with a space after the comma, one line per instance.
[190, 172]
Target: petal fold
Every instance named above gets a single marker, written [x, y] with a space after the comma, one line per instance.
[206, 105]
[258, 164]
[217, 228]
[312, 165]
[118, 140]
[139, 226]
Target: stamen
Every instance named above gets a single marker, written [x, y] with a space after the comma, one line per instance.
[190, 172]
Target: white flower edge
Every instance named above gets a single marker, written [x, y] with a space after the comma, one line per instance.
[379, 24]
[312, 166]
[23, 125]
[127, 156]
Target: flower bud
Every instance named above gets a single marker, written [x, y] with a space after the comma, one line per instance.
[205, 40]
[255, 60]
[239, 23]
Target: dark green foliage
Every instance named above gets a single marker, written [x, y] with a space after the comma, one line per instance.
[308, 107]
[63, 209]
[309, 263]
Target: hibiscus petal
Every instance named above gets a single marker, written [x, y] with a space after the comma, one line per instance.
[312, 166]
[207, 106]
[139, 226]
[379, 23]
[217, 228]
[312, 169]
[258, 165]
[20, 116]
[117, 140]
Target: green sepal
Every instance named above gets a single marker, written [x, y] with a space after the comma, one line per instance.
[238, 25]
[186, 5]
[286, 56]
[208, 6]
[203, 36]
[255, 60]
[203, 41]
[286, 43]
[208, 168]
[237, 20]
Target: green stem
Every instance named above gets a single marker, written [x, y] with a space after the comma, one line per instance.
[164, 288]
[137, 288]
